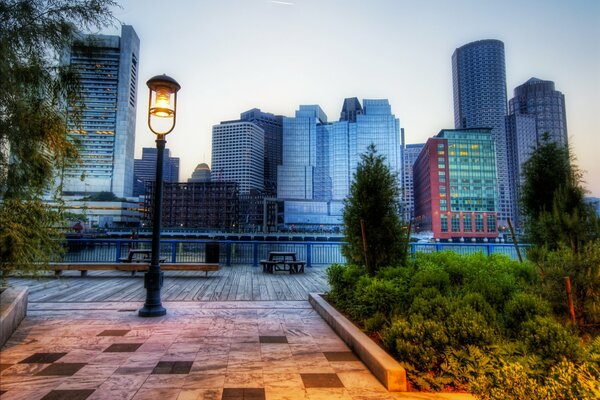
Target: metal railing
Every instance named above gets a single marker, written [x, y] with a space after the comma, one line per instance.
[248, 252]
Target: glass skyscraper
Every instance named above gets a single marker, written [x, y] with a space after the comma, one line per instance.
[479, 87]
[409, 156]
[319, 158]
[145, 169]
[108, 68]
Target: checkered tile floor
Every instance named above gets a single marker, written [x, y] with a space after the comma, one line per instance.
[228, 350]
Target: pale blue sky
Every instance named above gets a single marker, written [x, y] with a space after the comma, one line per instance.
[232, 55]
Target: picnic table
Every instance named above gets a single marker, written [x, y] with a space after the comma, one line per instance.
[283, 261]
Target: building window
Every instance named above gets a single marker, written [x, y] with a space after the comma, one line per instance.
[444, 222]
[467, 223]
[479, 223]
[455, 223]
[491, 223]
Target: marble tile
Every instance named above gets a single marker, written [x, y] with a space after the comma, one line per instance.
[200, 394]
[61, 369]
[204, 381]
[43, 358]
[71, 394]
[244, 379]
[317, 380]
[152, 393]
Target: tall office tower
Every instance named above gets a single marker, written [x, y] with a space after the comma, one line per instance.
[455, 185]
[319, 158]
[273, 127]
[535, 110]
[479, 86]
[539, 98]
[108, 67]
[144, 169]
[238, 154]
[409, 156]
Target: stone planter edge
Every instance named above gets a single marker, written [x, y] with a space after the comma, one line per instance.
[13, 308]
[389, 372]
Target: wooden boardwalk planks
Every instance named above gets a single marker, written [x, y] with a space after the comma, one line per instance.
[245, 283]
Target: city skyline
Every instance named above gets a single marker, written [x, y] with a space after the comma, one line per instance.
[231, 56]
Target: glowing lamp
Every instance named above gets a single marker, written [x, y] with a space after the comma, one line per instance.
[162, 104]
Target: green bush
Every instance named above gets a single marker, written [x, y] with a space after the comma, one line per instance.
[474, 323]
[373, 295]
[521, 308]
[468, 327]
[551, 340]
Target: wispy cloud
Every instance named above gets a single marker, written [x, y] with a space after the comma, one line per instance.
[283, 3]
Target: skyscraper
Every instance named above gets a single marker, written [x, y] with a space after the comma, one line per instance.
[319, 158]
[409, 156]
[238, 154]
[273, 127]
[539, 98]
[108, 67]
[536, 110]
[479, 87]
[145, 168]
[455, 185]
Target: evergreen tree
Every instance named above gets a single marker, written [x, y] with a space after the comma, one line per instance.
[552, 199]
[373, 199]
[33, 131]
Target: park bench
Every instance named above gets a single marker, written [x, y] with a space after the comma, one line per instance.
[132, 267]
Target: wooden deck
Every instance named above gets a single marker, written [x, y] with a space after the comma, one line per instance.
[235, 283]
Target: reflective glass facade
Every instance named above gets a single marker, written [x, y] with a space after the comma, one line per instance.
[319, 158]
[108, 67]
[455, 185]
[409, 156]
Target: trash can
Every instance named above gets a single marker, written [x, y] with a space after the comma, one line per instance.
[212, 253]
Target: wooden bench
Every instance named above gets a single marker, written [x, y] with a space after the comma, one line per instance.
[133, 267]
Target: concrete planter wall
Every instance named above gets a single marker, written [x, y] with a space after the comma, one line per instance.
[13, 303]
[389, 372]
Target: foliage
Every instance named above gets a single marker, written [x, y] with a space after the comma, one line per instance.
[27, 236]
[471, 323]
[33, 131]
[583, 269]
[373, 199]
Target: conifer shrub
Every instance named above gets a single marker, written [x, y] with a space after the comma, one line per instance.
[473, 323]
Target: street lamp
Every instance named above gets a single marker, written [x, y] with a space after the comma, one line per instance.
[162, 106]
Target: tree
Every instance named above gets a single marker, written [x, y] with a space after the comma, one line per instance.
[564, 230]
[33, 130]
[373, 199]
[552, 199]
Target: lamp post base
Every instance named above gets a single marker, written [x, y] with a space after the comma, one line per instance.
[152, 311]
[153, 281]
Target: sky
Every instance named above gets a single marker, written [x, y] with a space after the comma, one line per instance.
[233, 55]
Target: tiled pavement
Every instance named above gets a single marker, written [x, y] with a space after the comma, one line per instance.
[271, 350]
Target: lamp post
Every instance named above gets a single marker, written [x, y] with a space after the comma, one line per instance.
[162, 106]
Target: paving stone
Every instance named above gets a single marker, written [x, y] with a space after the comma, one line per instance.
[321, 381]
[340, 356]
[114, 332]
[273, 339]
[243, 394]
[62, 369]
[173, 367]
[79, 394]
[123, 347]
[43, 358]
